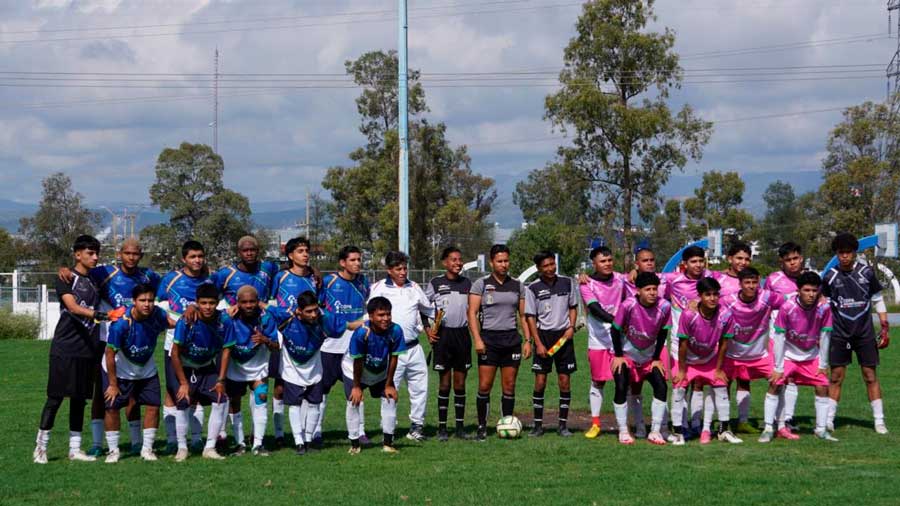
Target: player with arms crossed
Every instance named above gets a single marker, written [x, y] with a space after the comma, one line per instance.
[853, 288]
[450, 340]
[501, 301]
[551, 308]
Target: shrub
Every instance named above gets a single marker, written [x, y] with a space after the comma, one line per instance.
[18, 326]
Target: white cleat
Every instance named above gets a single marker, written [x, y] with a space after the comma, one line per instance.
[112, 457]
[767, 436]
[729, 437]
[676, 439]
[148, 455]
[212, 454]
[80, 456]
[181, 455]
[881, 428]
[829, 426]
[824, 435]
[39, 456]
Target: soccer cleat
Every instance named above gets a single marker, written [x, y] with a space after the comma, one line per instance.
[461, 434]
[364, 440]
[744, 428]
[881, 428]
[829, 426]
[790, 424]
[656, 438]
[593, 432]
[676, 439]
[354, 450]
[640, 431]
[536, 431]
[625, 438]
[171, 448]
[301, 450]
[259, 451]
[240, 450]
[565, 432]
[95, 451]
[112, 457]
[443, 436]
[39, 456]
[824, 435]
[416, 433]
[389, 449]
[786, 433]
[212, 454]
[729, 437]
[705, 437]
[181, 454]
[481, 434]
[767, 436]
[80, 456]
[148, 455]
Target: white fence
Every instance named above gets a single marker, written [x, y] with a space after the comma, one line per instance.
[31, 299]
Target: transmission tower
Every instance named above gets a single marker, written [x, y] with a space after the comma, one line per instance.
[216, 103]
[893, 68]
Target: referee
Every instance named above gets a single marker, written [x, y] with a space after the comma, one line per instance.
[501, 301]
[451, 344]
[550, 310]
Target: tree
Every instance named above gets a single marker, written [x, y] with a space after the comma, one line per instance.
[449, 202]
[780, 222]
[569, 241]
[557, 190]
[61, 217]
[668, 234]
[715, 205]
[190, 190]
[615, 84]
[11, 250]
[862, 173]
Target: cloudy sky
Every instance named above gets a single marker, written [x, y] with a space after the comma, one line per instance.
[98, 87]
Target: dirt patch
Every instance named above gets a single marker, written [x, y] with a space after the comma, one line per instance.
[578, 419]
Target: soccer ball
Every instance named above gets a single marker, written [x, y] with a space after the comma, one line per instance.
[509, 427]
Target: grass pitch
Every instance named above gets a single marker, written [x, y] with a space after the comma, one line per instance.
[860, 469]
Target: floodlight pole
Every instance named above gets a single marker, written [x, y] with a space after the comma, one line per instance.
[403, 232]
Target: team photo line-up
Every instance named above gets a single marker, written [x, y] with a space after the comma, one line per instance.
[228, 332]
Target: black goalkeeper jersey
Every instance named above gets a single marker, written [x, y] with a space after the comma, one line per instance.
[850, 293]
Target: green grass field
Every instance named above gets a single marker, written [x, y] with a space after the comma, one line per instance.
[860, 469]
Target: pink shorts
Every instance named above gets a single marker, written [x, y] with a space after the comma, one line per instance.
[748, 370]
[803, 373]
[601, 364]
[639, 372]
[701, 374]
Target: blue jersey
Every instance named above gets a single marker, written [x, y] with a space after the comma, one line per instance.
[230, 279]
[135, 339]
[116, 286]
[288, 286]
[302, 340]
[200, 343]
[346, 300]
[376, 349]
[237, 336]
[180, 290]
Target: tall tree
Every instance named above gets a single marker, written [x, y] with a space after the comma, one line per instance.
[716, 204]
[557, 190]
[615, 85]
[11, 250]
[190, 190]
[569, 241]
[449, 202]
[61, 217]
[780, 222]
[668, 234]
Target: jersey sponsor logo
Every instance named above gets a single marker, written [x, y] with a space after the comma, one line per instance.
[516, 356]
[803, 341]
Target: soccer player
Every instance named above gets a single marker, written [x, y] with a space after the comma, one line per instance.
[303, 330]
[371, 362]
[639, 333]
[410, 309]
[747, 357]
[177, 290]
[74, 352]
[551, 308]
[501, 301]
[115, 284]
[194, 375]
[702, 335]
[250, 338]
[450, 341]
[344, 295]
[602, 295]
[853, 288]
[802, 335]
[129, 371]
[738, 257]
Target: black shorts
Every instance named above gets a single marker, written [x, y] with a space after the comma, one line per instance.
[145, 392]
[73, 377]
[501, 356]
[201, 381]
[275, 367]
[294, 395]
[841, 352]
[453, 350]
[331, 370]
[564, 358]
[376, 390]
[237, 388]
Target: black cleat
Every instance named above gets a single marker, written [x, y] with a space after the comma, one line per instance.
[443, 436]
[536, 431]
[481, 434]
[301, 450]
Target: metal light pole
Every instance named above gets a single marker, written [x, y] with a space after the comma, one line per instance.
[403, 232]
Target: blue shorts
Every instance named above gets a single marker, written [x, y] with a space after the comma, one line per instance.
[201, 381]
[376, 390]
[275, 367]
[294, 395]
[331, 370]
[145, 392]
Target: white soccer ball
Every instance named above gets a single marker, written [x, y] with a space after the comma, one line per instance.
[509, 427]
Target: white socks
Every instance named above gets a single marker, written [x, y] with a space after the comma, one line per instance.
[237, 427]
[771, 406]
[149, 437]
[722, 404]
[678, 406]
[621, 411]
[134, 431]
[295, 416]
[877, 411]
[112, 440]
[215, 423]
[318, 429]
[222, 433]
[362, 418]
[278, 416]
[74, 441]
[823, 404]
[196, 421]
[388, 415]
[43, 439]
[311, 412]
[97, 432]
[169, 413]
[790, 400]
[352, 414]
[696, 408]
[181, 428]
[832, 411]
[596, 400]
[260, 417]
[657, 412]
[743, 404]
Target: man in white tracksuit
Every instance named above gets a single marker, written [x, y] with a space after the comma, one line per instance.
[411, 311]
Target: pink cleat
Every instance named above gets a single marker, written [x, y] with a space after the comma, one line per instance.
[705, 437]
[786, 433]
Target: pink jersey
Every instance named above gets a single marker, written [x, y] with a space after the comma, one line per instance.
[704, 335]
[802, 328]
[640, 325]
[682, 290]
[609, 294]
[781, 283]
[730, 284]
[751, 329]
[631, 289]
